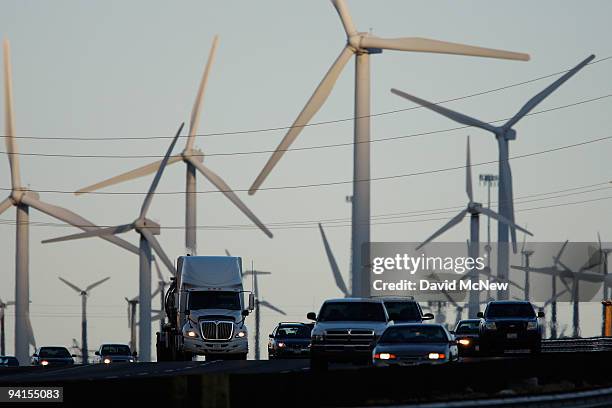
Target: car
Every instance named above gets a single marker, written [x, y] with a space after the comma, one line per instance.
[52, 356]
[410, 344]
[9, 361]
[405, 310]
[289, 340]
[114, 353]
[510, 324]
[346, 330]
[467, 335]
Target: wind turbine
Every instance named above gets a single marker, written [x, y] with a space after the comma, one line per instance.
[334, 265]
[474, 209]
[361, 45]
[503, 134]
[147, 230]
[526, 253]
[84, 293]
[193, 158]
[22, 199]
[3, 306]
[258, 302]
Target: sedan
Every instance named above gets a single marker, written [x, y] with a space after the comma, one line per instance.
[52, 356]
[467, 336]
[415, 344]
[290, 340]
[9, 361]
[114, 353]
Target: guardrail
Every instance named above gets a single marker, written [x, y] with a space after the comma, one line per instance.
[582, 344]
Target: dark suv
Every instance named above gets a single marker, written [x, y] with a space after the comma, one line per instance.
[510, 325]
[405, 310]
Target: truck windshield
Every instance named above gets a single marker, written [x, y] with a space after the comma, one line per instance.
[510, 310]
[214, 300]
[352, 311]
[115, 350]
[402, 311]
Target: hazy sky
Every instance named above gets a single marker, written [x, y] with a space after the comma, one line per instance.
[100, 69]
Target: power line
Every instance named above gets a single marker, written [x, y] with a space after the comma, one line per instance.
[270, 129]
[306, 148]
[335, 183]
[314, 223]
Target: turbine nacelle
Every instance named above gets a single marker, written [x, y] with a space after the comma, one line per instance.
[17, 195]
[192, 154]
[145, 223]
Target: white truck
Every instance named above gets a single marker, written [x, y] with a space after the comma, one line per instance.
[206, 310]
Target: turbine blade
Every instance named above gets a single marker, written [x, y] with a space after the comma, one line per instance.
[333, 264]
[99, 232]
[5, 204]
[227, 191]
[313, 105]
[535, 101]
[453, 221]
[227, 253]
[345, 17]
[556, 259]
[158, 250]
[197, 105]
[155, 293]
[130, 175]
[158, 270]
[93, 285]
[147, 201]
[75, 220]
[456, 116]
[75, 287]
[440, 47]
[490, 213]
[524, 241]
[271, 307]
[468, 172]
[31, 338]
[510, 199]
[9, 139]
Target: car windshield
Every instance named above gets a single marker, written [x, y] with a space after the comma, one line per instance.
[414, 334]
[57, 352]
[294, 332]
[214, 300]
[352, 311]
[402, 311]
[115, 350]
[510, 310]
[467, 328]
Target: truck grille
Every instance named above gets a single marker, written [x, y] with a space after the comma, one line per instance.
[217, 330]
[349, 336]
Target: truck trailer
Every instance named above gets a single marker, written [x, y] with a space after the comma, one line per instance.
[206, 311]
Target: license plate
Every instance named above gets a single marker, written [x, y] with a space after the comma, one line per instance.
[477, 348]
[512, 336]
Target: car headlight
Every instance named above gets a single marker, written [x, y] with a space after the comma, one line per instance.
[44, 363]
[532, 325]
[280, 344]
[436, 356]
[385, 356]
[464, 342]
[241, 334]
[317, 337]
[131, 360]
[490, 326]
[107, 360]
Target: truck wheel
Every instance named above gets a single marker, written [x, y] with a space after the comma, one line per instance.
[318, 364]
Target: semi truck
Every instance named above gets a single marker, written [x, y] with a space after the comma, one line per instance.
[206, 310]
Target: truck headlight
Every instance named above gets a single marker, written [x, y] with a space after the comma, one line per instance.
[44, 363]
[192, 333]
[241, 334]
[532, 325]
[464, 342]
[107, 360]
[490, 326]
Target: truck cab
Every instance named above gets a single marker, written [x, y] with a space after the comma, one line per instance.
[207, 307]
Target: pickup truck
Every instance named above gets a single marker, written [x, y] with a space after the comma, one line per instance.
[346, 330]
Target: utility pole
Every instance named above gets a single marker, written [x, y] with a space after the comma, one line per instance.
[3, 306]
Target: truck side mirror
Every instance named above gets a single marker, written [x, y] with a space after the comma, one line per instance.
[271, 335]
[311, 316]
[97, 353]
[251, 301]
[480, 314]
[540, 314]
[34, 355]
[245, 313]
[134, 354]
[428, 316]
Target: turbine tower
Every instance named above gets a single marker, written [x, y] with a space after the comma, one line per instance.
[193, 158]
[3, 306]
[84, 294]
[131, 315]
[22, 198]
[147, 230]
[503, 134]
[474, 209]
[361, 45]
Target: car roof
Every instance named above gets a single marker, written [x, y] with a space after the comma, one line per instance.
[113, 344]
[354, 300]
[469, 321]
[510, 302]
[418, 324]
[55, 347]
[292, 324]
